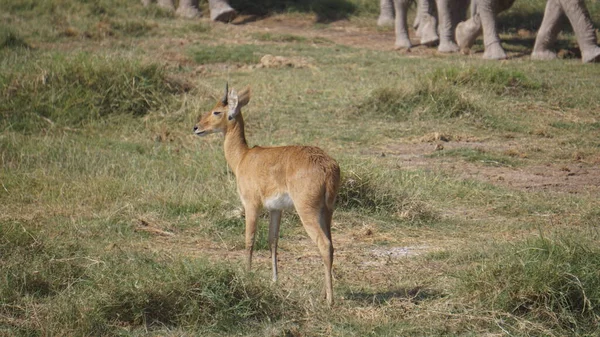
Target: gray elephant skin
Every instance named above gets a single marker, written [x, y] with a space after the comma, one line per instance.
[435, 21]
[483, 19]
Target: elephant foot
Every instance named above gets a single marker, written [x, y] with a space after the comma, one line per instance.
[448, 47]
[188, 12]
[494, 52]
[543, 55]
[427, 31]
[590, 55]
[385, 21]
[467, 32]
[221, 11]
[430, 41]
[402, 43]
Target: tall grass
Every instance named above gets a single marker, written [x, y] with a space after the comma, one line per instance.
[506, 82]
[73, 90]
[553, 281]
[10, 39]
[423, 101]
[115, 289]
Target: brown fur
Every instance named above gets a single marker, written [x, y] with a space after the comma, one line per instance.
[266, 175]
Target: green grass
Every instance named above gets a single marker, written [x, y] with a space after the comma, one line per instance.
[246, 54]
[116, 289]
[549, 280]
[74, 90]
[499, 80]
[289, 38]
[478, 156]
[9, 39]
[424, 101]
[116, 220]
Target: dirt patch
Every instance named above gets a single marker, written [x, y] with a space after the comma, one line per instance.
[563, 177]
[340, 32]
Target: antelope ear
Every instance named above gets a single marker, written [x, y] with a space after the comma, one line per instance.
[244, 97]
[232, 104]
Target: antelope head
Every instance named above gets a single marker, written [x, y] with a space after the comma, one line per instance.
[223, 114]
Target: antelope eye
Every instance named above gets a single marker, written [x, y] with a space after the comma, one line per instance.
[216, 113]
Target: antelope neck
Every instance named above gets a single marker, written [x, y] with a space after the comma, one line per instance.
[235, 144]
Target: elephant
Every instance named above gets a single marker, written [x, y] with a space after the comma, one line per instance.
[484, 19]
[450, 12]
[220, 10]
[386, 13]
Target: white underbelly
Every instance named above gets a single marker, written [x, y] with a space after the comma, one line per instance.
[279, 202]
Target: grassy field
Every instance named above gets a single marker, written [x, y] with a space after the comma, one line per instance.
[470, 198]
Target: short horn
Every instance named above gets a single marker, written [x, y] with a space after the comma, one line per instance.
[224, 100]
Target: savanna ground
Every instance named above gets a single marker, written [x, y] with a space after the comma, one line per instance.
[469, 203]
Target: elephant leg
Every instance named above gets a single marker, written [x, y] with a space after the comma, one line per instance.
[468, 31]
[401, 9]
[488, 10]
[188, 9]
[417, 20]
[579, 17]
[386, 13]
[447, 44]
[426, 23]
[548, 32]
[221, 11]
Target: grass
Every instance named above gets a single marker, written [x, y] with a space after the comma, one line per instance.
[550, 280]
[480, 156]
[73, 90]
[116, 220]
[132, 289]
[289, 38]
[424, 101]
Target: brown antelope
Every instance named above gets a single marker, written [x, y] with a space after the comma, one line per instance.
[277, 178]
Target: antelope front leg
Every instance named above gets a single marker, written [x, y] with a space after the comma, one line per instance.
[274, 222]
[251, 217]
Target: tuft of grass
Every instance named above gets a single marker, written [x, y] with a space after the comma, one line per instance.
[203, 295]
[71, 91]
[10, 39]
[369, 191]
[501, 81]
[577, 126]
[363, 191]
[157, 12]
[425, 100]
[132, 28]
[553, 281]
[35, 266]
[98, 293]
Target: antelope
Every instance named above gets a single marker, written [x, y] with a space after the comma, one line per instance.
[277, 179]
